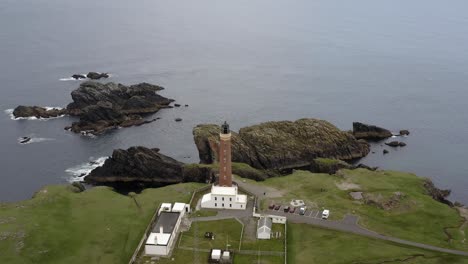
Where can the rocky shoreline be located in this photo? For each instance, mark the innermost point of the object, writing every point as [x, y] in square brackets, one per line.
[101, 107]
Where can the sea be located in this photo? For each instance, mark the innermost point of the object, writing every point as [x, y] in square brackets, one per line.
[397, 64]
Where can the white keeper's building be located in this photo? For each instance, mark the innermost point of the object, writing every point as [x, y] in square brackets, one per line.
[222, 197]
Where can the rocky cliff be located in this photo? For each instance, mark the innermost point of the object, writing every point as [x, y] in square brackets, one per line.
[282, 145]
[147, 167]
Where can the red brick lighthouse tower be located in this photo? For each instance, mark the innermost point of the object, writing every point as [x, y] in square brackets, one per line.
[225, 172]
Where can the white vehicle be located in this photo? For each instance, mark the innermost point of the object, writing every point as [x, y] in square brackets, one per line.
[325, 214]
[302, 210]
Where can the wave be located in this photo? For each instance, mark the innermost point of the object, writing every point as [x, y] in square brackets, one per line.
[34, 140]
[77, 173]
[9, 112]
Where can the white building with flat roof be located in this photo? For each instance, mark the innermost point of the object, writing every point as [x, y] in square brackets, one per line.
[264, 228]
[222, 197]
[162, 237]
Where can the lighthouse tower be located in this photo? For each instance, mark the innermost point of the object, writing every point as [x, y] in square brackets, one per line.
[224, 195]
[225, 171]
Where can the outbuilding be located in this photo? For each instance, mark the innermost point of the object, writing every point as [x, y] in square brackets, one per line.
[264, 228]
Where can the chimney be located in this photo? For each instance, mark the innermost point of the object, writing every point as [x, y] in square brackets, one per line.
[161, 229]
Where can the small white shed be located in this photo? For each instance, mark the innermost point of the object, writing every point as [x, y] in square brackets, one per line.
[264, 228]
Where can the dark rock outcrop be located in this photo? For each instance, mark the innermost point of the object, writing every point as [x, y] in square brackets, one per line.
[37, 112]
[392, 144]
[370, 132]
[404, 132]
[385, 151]
[395, 144]
[78, 76]
[137, 164]
[436, 193]
[101, 107]
[97, 75]
[147, 167]
[283, 145]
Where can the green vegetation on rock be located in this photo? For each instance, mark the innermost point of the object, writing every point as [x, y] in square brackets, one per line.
[200, 171]
[281, 145]
[330, 166]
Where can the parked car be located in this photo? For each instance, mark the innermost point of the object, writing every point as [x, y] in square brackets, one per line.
[277, 207]
[286, 209]
[292, 210]
[325, 214]
[271, 206]
[302, 210]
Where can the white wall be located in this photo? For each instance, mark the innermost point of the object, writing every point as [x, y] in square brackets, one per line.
[263, 235]
[229, 202]
[156, 250]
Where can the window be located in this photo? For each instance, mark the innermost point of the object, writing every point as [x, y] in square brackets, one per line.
[216, 198]
[223, 205]
[230, 205]
[223, 198]
[241, 205]
[230, 199]
[216, 204]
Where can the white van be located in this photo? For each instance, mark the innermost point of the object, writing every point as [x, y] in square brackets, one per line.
[325, 214]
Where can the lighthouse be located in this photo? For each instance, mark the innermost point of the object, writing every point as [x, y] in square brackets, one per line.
[225, 167]
[224, 194]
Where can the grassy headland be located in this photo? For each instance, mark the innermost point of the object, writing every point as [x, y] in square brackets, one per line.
[395, 204]
[95, 226]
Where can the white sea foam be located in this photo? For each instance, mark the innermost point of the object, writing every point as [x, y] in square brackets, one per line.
[34, 140]
[9, 112]
[77, 173]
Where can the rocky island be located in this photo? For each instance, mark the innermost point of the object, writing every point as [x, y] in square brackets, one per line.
[101, 107]
[283, 145]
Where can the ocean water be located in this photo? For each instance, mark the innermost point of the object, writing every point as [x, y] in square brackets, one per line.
[398, 64]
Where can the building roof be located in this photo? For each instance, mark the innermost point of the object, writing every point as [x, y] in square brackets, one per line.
[216, 254]
[241, 198]
[178, 207]
[166, 206]
[158, 239]
[166, 220]
[223, 190]
[265, 223]
[206, 198]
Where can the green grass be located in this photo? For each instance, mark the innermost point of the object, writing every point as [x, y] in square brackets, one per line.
[203, 213]
[417, 218]
[310, 245]
[273, 244]
[226, 231]
[197, 196]
[95, 226]
[182, 256]
[249, 259]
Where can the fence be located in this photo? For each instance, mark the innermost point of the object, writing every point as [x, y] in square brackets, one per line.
[143, 239]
